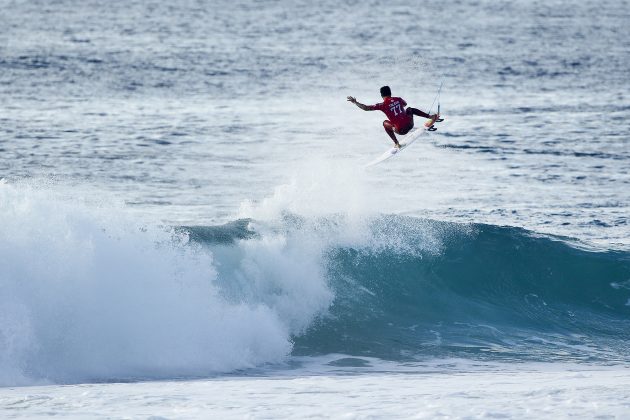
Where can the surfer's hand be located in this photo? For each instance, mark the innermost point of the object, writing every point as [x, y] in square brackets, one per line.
[352, 99]
[434, 116]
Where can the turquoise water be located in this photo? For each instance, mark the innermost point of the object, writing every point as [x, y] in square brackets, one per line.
[476, 291]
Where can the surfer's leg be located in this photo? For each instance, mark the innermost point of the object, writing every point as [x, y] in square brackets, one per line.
[415, 111]
[389, 128]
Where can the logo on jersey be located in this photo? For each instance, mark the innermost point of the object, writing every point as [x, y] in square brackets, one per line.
[396, 108]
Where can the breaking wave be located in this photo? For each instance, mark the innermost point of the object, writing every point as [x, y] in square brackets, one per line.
[89, 294]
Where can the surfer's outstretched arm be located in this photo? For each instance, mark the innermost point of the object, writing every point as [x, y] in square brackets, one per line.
[359, 104]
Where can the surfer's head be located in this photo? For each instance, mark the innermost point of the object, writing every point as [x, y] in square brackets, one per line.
[386, 91]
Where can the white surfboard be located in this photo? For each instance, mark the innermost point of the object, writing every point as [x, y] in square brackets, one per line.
[410, 137]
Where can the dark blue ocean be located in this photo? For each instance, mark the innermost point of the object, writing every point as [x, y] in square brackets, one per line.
[183, 188]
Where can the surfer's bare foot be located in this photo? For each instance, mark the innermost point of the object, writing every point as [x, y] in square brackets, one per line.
[397, 145]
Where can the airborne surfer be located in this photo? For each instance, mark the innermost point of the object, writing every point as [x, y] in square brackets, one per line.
[399, 120]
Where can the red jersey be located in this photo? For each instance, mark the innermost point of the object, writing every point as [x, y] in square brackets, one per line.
[394, 108]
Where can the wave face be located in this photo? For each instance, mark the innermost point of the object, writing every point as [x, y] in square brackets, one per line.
[490, 292]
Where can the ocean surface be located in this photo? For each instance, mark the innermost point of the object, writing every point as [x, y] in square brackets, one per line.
[187, 226]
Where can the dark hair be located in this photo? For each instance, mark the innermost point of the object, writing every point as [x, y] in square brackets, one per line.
[386, 91]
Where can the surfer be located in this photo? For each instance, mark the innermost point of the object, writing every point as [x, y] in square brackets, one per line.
[399, 120]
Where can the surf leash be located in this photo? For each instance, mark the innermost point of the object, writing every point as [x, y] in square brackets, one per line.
[437, 97]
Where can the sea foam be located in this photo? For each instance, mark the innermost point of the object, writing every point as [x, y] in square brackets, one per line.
[90, 293]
